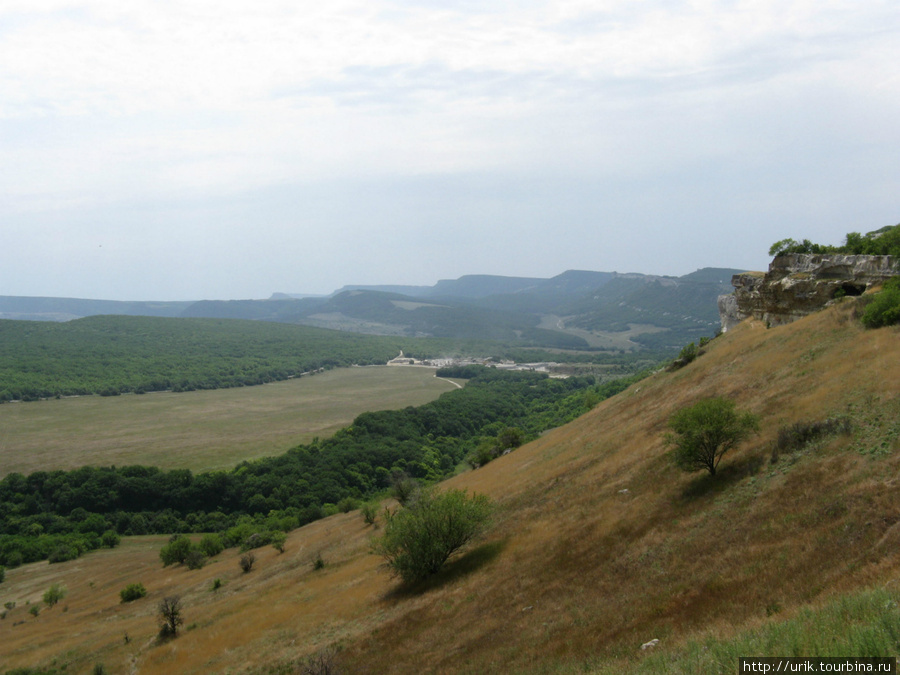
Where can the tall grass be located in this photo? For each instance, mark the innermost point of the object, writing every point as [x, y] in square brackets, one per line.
[865, 623]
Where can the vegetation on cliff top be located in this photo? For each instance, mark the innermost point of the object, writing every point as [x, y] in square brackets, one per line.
[885, 241]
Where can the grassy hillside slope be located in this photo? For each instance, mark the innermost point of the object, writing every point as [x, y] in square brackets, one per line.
[599, 544]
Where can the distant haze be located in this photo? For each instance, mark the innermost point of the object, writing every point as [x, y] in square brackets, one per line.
[215, 150]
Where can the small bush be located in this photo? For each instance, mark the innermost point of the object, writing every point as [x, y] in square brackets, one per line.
[211, 545]
[110, 539]
[54, 594]
[369, 512]
[195, 560]
[509, 439]
[688, 353]
[481, 455]
[63, 553]
[278, 540]
[884, 308]
[799, 435]
[132, 592]
[35, 610]
[347, 504]
[418, 540]
[2, 573]
[490, 449]
[246, 561]
[256, 540]
[176, 550]
[216, 584]
[235, 536]
[404, 488]
[319, 562]
[320, 663]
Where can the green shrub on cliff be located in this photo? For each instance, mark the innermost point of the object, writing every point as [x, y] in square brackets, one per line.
[884, 309]
[885, 241]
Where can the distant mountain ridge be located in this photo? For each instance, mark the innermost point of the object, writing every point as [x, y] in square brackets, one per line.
[65, 309]
[575, 310]
[482, 285]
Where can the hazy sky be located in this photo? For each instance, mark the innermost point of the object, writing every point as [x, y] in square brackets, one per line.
[175, 149]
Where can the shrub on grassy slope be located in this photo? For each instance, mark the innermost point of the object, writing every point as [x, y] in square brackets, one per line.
[418, 540]
[54, 594]
[132, 592]
[884, 309]
[176, 551]
[705, 431]
[211, 544]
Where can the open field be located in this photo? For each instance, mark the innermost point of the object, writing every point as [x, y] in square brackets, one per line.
[598, 546]
[202, 430]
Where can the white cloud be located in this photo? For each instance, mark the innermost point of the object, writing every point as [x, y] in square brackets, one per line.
[109, 107]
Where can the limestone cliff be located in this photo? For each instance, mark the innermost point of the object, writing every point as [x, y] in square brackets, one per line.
[801, 283]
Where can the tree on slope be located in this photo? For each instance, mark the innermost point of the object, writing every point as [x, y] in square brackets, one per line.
[170, 617]
[702, 433]
[419, 539]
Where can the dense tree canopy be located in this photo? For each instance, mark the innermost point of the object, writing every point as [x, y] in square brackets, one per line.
[111, 355]
[885, 241]
[69, 511]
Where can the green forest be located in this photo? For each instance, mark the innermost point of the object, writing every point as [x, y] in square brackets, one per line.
[58, 515]
[111, 355]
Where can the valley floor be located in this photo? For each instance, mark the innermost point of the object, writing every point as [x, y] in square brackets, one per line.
[202, 430]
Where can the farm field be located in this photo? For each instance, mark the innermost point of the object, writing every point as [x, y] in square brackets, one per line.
[202, 430]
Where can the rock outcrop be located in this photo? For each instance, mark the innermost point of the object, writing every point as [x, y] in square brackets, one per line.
[801, 283]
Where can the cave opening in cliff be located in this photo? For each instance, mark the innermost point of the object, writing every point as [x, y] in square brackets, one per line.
[851, 289]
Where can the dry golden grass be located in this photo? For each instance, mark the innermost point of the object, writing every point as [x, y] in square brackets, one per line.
[202, 430]
[599, 545]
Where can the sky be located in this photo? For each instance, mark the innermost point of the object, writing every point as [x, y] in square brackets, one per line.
[186, 150]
